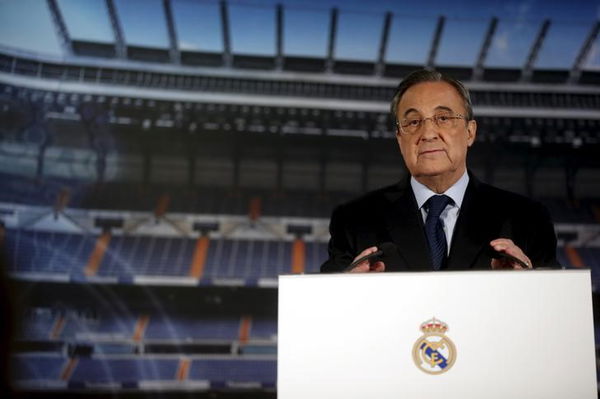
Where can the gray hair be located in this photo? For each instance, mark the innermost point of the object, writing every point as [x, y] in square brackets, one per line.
[423, 75]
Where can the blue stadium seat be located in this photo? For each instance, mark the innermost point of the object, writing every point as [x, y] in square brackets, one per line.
[147, 255]
[124, 370]
[248, 259]
[264, 329]
[562, 258]
[114, 326]
[186, 327]
[47, 252]
[32, 192]
[37, 325]
[37, 367]
[316, 254]
[563, 212]
[242, 370]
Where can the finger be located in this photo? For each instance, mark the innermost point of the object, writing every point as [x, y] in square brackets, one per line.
[501, 244]
[514, 251]
[508, 246]
[498, 264]
[527, 261]
[365, 252]
[510, 264]
[378, 266]
[505, 263]
[362, 267]
[501, 241]
[517, 253]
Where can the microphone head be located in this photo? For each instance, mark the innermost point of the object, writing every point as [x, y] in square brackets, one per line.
[387, 247]
[390, 252]
[387, 252]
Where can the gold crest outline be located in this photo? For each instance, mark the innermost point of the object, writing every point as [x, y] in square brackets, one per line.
[417, 353]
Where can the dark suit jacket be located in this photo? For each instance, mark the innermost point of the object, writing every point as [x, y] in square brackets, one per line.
[390, 214]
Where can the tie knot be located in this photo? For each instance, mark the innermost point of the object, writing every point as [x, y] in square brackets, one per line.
[436, 205]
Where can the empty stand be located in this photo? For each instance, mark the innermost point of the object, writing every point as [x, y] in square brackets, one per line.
[316, 253]
[591, 259]
[47, 252]
[565, 212]
[263, 329]
[127, 256]
[38, 324]
[248, 259]
[234, 371]
[152, 325]
[117, 196]
[131, 372]
[128, 370]
[147, 255]
[187, 328]
[181, 168]
[105, 327]
[37, 367]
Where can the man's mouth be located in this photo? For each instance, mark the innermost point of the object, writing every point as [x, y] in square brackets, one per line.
[426, 152]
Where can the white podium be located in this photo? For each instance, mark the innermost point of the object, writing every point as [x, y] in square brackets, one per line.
[477, 334]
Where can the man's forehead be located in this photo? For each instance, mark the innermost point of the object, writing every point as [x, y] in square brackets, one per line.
[426, 96]
[439, 108]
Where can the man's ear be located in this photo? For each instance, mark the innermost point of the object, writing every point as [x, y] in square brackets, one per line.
[397, 129]
[399, 140]
[471, 132]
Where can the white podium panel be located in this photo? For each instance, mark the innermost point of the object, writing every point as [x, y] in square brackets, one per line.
[488, 334]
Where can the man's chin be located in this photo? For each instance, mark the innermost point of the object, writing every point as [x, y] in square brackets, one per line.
[432, 172]
[438, 174]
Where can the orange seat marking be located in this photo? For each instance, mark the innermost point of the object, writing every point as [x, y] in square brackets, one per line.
[162, 205]
[244, 332]
[68, 369]
[183, 369]
[199, 259]
[254, 210]
[57, 328]
[140, 327]
[298, 256]
[93, 264]
[573, 256]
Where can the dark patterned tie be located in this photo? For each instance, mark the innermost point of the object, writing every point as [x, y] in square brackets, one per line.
[434, 229]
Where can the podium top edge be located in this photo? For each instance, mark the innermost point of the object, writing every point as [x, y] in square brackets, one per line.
[436, 273]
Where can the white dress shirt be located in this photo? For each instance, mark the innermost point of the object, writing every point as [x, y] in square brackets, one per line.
[450, 213]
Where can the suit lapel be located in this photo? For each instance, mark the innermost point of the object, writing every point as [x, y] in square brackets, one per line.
[405, 226]
[471, 233]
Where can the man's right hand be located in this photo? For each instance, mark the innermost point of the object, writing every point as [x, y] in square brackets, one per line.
[366, 266]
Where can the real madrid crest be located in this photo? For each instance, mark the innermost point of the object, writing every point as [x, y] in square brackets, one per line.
[434, 353]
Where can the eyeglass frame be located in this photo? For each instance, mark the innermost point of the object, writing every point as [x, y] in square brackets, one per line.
[433, 119]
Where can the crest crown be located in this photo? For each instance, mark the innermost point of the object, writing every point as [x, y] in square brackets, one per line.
[434, 325]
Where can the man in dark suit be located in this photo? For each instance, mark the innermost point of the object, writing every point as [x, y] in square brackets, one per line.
[442, 218]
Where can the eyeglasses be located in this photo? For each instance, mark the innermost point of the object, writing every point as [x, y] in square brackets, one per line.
[442, 121]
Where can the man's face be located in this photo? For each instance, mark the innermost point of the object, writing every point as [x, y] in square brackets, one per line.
[432, 151]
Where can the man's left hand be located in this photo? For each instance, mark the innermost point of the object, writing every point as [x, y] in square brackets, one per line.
[507, 246]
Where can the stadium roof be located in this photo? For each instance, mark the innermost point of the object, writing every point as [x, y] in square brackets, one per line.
[355, 38]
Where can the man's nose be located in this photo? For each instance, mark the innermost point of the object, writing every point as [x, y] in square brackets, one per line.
[429, 130]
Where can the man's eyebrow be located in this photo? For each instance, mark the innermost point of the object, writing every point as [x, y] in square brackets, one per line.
[443, 108]
[438, 108]
[408, 111]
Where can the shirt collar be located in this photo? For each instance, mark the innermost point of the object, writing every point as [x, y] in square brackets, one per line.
[456, 191]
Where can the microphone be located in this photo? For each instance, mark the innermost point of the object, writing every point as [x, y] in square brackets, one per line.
[384, 251]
